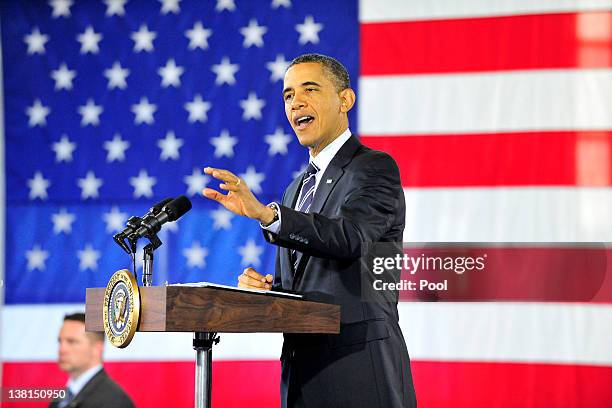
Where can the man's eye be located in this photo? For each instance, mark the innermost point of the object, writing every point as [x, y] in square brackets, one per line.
[310, 89]
[287, 97]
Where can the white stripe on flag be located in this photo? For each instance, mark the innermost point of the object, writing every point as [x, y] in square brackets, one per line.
[525, 332]
[443, 331]
[37, 340]
[371, 11]
[526, 214]
[485, 102]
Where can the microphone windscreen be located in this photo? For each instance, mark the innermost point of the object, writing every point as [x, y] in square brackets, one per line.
[177, 207]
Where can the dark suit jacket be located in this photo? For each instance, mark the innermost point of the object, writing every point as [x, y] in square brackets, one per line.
[100, 392]
[367, 364]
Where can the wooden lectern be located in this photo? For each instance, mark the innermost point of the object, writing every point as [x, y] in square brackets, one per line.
[206, 311]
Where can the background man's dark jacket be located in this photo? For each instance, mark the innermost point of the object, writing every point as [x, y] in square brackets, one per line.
[100, 392]
[367, 364]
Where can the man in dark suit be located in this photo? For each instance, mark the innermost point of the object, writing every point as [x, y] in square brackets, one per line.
[349, 196]
[80, 355]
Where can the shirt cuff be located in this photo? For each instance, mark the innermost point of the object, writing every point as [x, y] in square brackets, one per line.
[275, 226]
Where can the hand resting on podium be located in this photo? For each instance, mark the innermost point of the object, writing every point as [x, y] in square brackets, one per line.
[251, 279]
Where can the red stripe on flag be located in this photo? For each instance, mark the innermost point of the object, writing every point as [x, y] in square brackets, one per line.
[437, 383]
[525, 274]
[486, 44]
[164, 384]
[474, 384]
[501, 159]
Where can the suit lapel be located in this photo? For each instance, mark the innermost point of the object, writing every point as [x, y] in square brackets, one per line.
[326, 185]
[88, 389]
[333, 173]
[330, 178]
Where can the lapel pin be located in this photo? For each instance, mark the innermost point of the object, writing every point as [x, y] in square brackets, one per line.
[329, 181]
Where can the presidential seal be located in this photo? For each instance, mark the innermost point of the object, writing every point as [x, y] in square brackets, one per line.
[121, 308]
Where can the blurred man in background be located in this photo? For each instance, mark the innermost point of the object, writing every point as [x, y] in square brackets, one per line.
[80, 355]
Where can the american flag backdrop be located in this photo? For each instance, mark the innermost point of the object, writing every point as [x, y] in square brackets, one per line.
[499, 114]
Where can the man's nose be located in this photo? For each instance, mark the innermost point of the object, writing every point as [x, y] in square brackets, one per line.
[297, 103]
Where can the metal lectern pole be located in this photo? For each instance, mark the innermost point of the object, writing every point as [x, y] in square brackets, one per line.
[202, 344]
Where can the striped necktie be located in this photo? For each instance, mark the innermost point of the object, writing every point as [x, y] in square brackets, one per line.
[308, 188]
[305, 201]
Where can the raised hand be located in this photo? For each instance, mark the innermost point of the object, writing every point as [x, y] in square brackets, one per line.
[239, 198]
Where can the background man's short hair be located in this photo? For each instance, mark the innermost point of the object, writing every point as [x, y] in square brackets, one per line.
[80, 317]
[337, 72]
[77, 317]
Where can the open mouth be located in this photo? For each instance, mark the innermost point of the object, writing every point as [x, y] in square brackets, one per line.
[302, 122]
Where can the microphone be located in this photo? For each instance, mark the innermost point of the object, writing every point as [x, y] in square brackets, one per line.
[158, 207]
[151, 224]
[133, 223]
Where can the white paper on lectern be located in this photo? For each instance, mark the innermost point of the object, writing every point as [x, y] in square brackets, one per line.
[237, 289]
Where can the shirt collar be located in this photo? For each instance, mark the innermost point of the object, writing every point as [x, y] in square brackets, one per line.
[326, 155]
[76, 385]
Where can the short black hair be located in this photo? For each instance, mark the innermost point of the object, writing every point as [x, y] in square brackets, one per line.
[338, 73]
[80, 317]
[77, 317]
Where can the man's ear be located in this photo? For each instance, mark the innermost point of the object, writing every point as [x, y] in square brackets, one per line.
[347, 100]
[97, 345]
